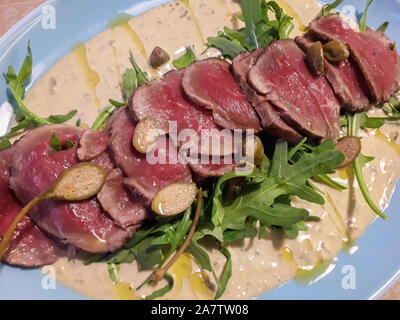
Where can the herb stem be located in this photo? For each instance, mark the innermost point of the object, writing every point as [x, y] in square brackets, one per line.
[101, 119]
[353, 127]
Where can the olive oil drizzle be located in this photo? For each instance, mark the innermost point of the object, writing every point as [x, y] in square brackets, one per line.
[394, 145]
[92, 77]
[194, 19]
[343, 227]
[122, 20]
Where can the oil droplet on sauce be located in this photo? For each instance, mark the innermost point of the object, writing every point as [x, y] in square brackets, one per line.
[287, 255]
[91, 76]
[198, 282]
[389, 141]
[308, 276]
[290, 12]
[124, 291]
[181, 269]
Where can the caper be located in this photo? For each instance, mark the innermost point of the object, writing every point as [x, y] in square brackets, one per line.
[174, 198]
[350, 147]
[158, 57]
[79, 182]
[146, 134]
[336, 51]
[315, 58]
[253, 150]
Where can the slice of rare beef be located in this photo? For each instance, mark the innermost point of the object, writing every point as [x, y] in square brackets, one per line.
[34, 168]
[270, 118]
[165, 101]
[306, 102]
[145, 173]
[210, 84]
[29, 246]
[92, 144]
[126, 209]
[345, 78]
[373, 51]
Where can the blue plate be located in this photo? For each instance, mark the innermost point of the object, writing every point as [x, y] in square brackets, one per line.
[376, 262]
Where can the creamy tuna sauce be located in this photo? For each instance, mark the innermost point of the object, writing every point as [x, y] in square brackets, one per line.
[87, 77]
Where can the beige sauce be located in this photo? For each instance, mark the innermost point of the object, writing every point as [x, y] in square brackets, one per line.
[87, 77]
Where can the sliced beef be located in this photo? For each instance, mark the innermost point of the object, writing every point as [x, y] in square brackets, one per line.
[211, 170]
[104, 161]
[164, 100]
[119, 203]
[305, 102]
[144, 175]
[29, 246]
[92, 144]
[270, 118]
[34, 168]
[210, 84]
[345, 78]
[372, 50]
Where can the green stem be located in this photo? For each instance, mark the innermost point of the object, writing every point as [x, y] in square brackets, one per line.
[352, 131]
[103, 116]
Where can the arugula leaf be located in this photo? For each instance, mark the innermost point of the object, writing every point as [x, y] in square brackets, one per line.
[186, 59]
[142, 77]
[226, 274]
[229, 48]
[383, 26]
[113, 270]
[129, 81]
[57, 119]
[132, 79]
[55, 143]
[4, 144]
[16, 84]
[363, 22]
[102, 118]
[117, 104]
[354, 124]
[324, 178]
[262, 201]
[259, 30]
[327, 9]
[251, 10]
[163, 291]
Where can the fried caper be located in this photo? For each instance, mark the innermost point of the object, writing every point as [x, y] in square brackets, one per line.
[315, 58]
[82, 181]
[174, 198]
[158, 57]
[336, 51]
[146, 134]
[350, 147]
[253, 150]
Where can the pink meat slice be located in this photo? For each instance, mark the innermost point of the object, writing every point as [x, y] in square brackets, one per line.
[345, 78]
[120, 204]
[373, 51]
[34, 168]
[305, 102]
[29, 246]
[270, 118]
[92, 144]
[165, 101]
[210, 84]
[144, 176]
